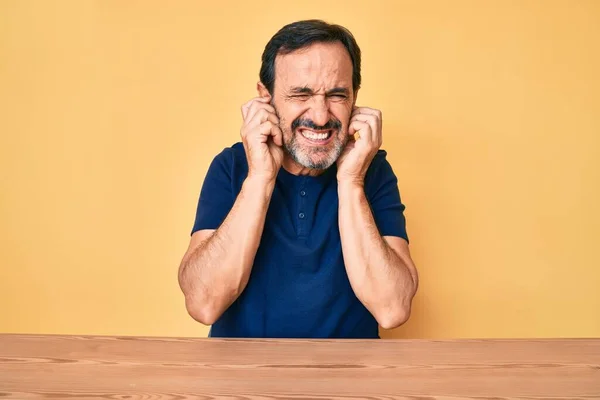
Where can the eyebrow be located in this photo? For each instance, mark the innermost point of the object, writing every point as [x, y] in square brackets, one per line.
[307, 90]
[339, 90]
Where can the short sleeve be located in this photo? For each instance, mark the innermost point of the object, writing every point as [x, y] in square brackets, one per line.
[216, 196]
[384, 197]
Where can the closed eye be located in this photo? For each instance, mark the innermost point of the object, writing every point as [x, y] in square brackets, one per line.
[337, 97]
[303, 96]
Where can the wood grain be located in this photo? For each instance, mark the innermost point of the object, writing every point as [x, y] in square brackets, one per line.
[82, 367]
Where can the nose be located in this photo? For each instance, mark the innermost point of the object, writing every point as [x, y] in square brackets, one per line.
[319, 110]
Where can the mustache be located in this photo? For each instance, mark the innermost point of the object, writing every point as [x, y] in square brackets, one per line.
[307, 123]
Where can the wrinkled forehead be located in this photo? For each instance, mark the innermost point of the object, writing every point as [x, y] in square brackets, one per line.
[321, 66]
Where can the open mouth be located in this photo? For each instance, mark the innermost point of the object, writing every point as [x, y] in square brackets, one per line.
[317, 137]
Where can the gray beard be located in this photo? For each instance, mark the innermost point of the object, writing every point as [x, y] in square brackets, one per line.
[327, 156]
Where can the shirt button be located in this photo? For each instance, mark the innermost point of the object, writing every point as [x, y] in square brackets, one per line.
[302, 193]
[301, 215]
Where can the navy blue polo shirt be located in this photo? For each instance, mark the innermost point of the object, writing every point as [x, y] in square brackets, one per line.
[298, 287]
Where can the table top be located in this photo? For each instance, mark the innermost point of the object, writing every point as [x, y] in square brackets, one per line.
[84, 367]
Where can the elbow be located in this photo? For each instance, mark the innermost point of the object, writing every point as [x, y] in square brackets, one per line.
[202, 311]
[394, 317]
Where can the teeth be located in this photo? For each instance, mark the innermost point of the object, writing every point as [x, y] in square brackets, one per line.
[314, 136]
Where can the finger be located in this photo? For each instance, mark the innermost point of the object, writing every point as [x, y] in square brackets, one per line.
[367, 110]
[277, 135]
[368, 118]
[372, 120]
[370, 112]
[258, 105]
[272, 146]
[351, 140]
[244, 109]
[263, 132]
[362, 128]
[261, 116]
[267, 129]
[246, 106]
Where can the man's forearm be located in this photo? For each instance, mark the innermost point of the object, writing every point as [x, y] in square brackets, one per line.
[214, 274]
[379, 277]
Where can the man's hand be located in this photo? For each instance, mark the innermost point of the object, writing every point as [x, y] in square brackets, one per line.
[262, 139]
[358, 154]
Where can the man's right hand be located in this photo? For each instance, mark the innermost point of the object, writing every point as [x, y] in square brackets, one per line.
[217, 265]
[262, 138]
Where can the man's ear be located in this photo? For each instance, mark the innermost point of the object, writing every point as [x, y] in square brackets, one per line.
[262, 90]
[355, 97]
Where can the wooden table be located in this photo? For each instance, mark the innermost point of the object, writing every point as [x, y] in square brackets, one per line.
[78, 367]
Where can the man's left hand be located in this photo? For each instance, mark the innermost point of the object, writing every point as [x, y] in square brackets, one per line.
[358, 154]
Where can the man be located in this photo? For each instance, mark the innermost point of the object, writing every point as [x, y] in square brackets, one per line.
[300, 230]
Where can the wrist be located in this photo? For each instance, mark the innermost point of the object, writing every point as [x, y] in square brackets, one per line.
[259, 183]
[350, 188]
[350, 183]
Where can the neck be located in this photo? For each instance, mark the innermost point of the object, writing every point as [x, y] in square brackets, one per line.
[294, 168]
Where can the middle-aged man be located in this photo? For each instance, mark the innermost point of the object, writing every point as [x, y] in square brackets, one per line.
[300, 230]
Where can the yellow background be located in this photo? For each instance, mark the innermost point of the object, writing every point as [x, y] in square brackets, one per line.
[110, 112]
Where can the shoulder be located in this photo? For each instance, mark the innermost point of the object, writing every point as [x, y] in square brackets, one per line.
[238, 153]
[380, 166]
[228, 169]
[231, 159]
[231, 153]
[380, 173]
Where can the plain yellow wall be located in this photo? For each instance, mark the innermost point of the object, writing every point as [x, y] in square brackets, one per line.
[110, 112]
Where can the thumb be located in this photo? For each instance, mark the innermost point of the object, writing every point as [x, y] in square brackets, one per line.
[275, 150]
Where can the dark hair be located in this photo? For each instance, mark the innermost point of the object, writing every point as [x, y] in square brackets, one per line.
[300, 34]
